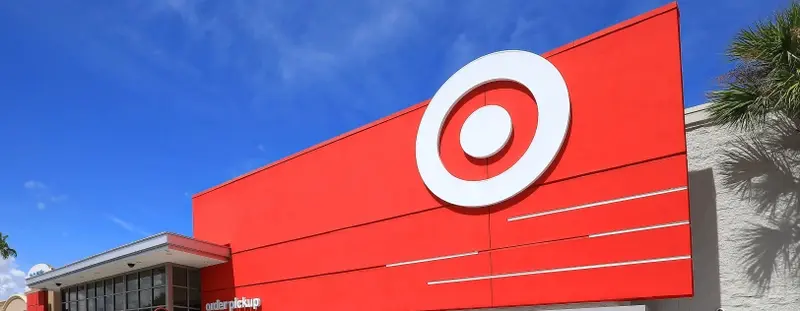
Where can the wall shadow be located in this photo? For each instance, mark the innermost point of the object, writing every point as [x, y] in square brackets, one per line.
[705, 248]
[762, 169]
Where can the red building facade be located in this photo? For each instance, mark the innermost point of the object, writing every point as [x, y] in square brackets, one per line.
[350, 224]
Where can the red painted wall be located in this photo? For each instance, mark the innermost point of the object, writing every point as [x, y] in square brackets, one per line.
[37, 301]
[317, 230]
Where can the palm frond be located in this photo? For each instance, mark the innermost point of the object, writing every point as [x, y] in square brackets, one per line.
[761, 175]
[766, 76]
[5, 250]
[768, 247]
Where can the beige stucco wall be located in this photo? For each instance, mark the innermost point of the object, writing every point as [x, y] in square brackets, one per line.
[53, 301]
[14, 303]
[733, 174]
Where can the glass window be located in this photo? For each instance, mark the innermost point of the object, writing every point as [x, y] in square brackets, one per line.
[159, 298]
[109, 303]
[158, 276]
[139, 291]
[194, 279]
[119, 302]
[81, 292]
[145, 279]
[145, 298]
[178, 309]
[133, 300]
[99, 288]
[119, 285]
[180, 298]
[178, 276]
[194, 298]
[132, 281]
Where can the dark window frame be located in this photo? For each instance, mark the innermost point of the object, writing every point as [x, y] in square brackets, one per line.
[190, 275]
[150, 275]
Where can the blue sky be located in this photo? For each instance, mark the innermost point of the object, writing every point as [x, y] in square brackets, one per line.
[115, 112]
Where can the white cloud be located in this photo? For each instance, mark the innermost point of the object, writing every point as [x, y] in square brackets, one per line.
[288, 44]
[34, 184]
[42, 193]
[12, 279]
[460, 52]
[127, 225]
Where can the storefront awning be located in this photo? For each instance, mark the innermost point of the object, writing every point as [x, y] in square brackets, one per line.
[154, 250]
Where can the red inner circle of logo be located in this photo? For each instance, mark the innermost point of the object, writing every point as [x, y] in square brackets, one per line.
[519, 103]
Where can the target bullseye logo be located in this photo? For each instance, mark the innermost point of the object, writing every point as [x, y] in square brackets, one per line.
[488, 129]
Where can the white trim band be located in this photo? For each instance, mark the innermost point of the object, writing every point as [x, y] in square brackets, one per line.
[430, 259]
[163, 241]
[536, 272]
[579, 207]
[674, 224]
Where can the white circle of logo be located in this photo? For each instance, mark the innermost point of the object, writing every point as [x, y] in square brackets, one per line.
[488, 129]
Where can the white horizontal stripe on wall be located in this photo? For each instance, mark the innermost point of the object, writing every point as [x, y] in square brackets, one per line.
[430, 259]
[537, 272]
[674, 224]
[584, 206]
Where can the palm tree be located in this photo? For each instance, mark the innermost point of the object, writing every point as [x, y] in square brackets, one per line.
[765, 80]
[761, 95]
[5, 250]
